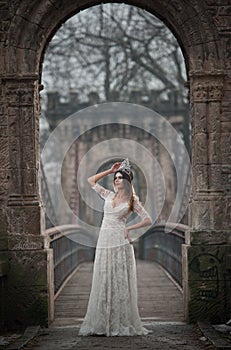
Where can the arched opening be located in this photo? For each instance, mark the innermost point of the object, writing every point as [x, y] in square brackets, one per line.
[163, 99]
[139, 80]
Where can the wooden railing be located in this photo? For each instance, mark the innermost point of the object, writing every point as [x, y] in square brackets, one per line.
[67, 252]
[162, 243]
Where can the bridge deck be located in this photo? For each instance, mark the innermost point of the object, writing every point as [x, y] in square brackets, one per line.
[159, 298]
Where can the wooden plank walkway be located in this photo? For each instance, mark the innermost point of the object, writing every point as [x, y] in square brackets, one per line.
[159, 299]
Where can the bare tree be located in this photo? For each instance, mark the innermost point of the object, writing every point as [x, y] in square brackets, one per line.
[115, 49]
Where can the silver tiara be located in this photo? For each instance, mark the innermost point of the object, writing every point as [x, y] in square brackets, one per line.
[125, 166]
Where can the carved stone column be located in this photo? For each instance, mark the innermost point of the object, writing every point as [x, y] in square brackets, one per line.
[206, 246]
[206, 158]
[23, 128]
[27, 287]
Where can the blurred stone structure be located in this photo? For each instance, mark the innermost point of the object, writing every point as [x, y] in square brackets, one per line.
[203, 30]
[177, 115]
[173, 109]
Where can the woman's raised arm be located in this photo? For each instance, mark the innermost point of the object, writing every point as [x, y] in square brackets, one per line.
[95, 178]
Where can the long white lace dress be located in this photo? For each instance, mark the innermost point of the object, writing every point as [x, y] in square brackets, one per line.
[112, 308]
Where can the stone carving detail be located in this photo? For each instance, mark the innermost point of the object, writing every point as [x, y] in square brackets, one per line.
[220, 15]
[20, 96]
[226, 179]
[226, 148]
[201, 177]
[200, 92]
[227, 52]
[210, 212]
[206, 268]
[200, 151]
[207, 96]
[215, 91]
[20, 100]
[199, 112]
[207, 90]
[177, 5]
[4, 178]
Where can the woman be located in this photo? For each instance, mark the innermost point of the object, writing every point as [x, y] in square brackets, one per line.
[112, 308]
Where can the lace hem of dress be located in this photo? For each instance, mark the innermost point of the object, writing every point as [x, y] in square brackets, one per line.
[127, 331]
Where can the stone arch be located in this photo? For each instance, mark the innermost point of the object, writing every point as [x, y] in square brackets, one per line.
[38, 21]
[203, 32]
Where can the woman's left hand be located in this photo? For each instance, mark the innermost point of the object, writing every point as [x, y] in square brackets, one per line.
[126, 235]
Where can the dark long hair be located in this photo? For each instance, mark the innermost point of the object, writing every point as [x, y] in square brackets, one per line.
[128, 187]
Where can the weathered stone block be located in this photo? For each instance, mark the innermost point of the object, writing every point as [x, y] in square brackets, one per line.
[14, 147]
[5, 11]
[213, 119]
[5, 183]
[3, 230]
[29, 40]
[226, 148]
[25, 242]
[29, 182]
[19, 93]
[201, 177]
[28, 117]
[15, 185]
[28, 156]
[226, 127]
[27, 289]
[4, 153]
[206, 237]
[199, 92]
[28, 59]
[215, 92]
[214, 171]
[214, 148]
[199, 117]
[210, 213]
[3, 243]
[13, 98]
[200, 214]
[4, 265]
[228, 261]
[3, 131]
[207, 282]
[24, 220]
[200, 150]
[226, 178]
[14, 125]
[2, 62]
[193, 34]
[3, 227]
[221, 213]
[13, 112]
[225, 115]
[26, 306]
[3, 119]
[27, 268]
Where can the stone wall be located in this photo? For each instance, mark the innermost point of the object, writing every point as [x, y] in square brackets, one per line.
[203, 30]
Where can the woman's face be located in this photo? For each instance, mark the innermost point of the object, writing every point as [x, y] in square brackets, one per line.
[118, 181]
